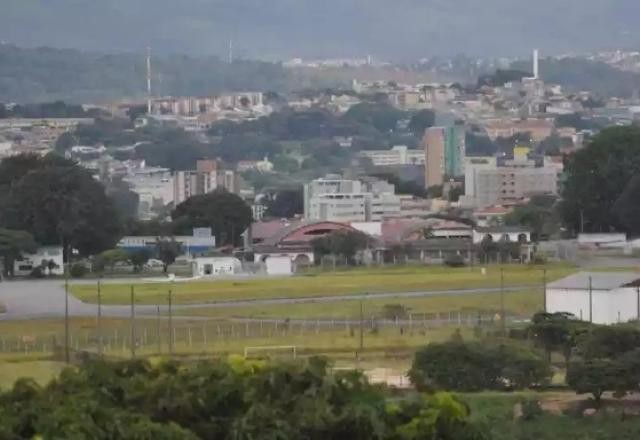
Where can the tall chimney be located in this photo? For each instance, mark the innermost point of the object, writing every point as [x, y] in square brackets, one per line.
[536, 65]
[148, 80]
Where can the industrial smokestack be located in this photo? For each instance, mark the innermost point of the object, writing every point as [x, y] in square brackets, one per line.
[536, 64]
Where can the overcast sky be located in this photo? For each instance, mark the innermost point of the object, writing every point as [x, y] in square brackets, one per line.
[386, 29]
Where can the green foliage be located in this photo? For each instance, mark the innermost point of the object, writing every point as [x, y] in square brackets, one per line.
[627, 206]
[343, 243]
[540, 215]
[476, 366]
[167, 251]
[78, 270]
[225, 213]
[531, 409]
[597, 177]
[380, 115]
[57, 109]
[12, 245]
[576, 74]
[480, 145]
[235, 400]
[91, 77]
[608, 341]
[139, 258]
[501, 77]
[556, 332]
[285, 203]
[599, 375]
[112, 257]
[58, 202]
[420, 121]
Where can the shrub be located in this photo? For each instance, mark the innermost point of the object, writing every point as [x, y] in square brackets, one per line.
[476, 366]
[78, 270]
[454, 261]
[531, 409]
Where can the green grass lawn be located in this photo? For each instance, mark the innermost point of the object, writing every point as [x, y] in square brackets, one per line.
[519, 303]
[385, 279]
[495, 411]
[40, 371]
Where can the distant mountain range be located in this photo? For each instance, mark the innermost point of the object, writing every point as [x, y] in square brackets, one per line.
[280, 29]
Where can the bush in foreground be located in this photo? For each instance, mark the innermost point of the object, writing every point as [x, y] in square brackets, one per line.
[235, 400]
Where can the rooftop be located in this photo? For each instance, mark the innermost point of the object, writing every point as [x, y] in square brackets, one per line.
[599, 281]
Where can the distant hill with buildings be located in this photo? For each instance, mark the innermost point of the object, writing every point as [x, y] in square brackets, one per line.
[330, 28]
[47, 74]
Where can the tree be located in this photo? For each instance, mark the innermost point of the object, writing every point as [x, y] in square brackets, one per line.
[139, 258]
[285, 204]
[421, 121]
[597, 176]
[59, 202]
[236, 399]
[609, 342]
[343, 243]
[12, 245]
[599, 375]
[476, 366]
[112, 257]
[627, 207]
[381, 115]
[539, 214]
[225, 213]
[167, 252]
[64, 142]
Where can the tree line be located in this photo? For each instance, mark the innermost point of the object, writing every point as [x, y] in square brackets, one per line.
[235, 400]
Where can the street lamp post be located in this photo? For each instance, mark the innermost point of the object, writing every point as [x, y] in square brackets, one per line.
[502, 311]
[99, 323]
[171, 319]
[133, 324]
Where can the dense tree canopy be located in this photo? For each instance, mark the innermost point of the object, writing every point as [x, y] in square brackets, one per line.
[12, 245]
[238, 400]
[597, 177]
[475, 366]
[285, 204]
[225, 213]
[58, 202]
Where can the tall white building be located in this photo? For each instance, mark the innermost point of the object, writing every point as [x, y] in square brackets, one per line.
[342, 200]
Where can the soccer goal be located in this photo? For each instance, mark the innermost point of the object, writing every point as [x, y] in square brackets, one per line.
[271, 351]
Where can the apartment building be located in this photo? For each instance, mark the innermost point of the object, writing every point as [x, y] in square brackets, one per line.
[445, 150]
[207, 177]
[336, 199]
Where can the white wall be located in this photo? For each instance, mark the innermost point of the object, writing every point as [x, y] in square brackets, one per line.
[609, 306]
[279, 265]
[28, 262]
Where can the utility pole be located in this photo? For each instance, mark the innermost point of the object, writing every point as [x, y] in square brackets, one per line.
[159, 330]
[503, 319]
[638, 303]
[99, 323]
[361, 326]
[590, 299]
[133, 324]
[67, 354]
[544, 288]
[170, 319]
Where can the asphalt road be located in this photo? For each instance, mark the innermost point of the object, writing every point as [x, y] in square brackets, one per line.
[33, 299]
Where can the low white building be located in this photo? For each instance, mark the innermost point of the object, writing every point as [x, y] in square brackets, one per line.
[215, 266]
[598, 297]
[279, 265]
[49, 258]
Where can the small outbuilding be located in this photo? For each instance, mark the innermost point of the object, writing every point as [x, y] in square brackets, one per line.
[598, 297]
[215, 266]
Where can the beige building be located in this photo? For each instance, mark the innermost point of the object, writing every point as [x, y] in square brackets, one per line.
[207, 177]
